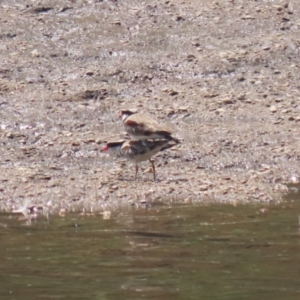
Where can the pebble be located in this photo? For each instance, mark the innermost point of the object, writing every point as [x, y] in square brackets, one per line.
[90, 140]
[294, 179]
[35, 53]
[106, 215]
[62, 212]
[203, 187]
[75, 143]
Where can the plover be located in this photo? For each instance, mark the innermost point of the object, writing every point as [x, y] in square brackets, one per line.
[138, 150]
[142, 127]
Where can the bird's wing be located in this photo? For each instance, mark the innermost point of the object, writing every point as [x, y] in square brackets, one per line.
[159, 145]
[132, 148]
[147, 123]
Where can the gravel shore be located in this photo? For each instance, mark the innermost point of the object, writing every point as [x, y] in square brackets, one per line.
[223, 74]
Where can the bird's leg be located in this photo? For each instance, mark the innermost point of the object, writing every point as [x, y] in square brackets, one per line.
[136, 171]
[153, 168]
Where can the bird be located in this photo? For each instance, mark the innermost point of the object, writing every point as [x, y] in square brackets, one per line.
[141, 126]
[138, 150]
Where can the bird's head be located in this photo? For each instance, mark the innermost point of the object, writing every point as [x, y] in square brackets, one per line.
[125, 113]
[112, 147]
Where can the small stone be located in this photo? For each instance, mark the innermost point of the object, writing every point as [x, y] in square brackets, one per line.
[179, 18]
[106, 215]
[116, 22]
[294, 179]
[187, 200]
[148, 170]
[35, 53]
[149, 192]
[10, 135]
[114, 187]
[90, 140]
[75, 143]
[247, 17]
[183, 108]
[99, 141]
[191, 57]
[273, 109]
[89, 73]
[220, 110]
[297, 119]
[227, 101]
[173, 93]
[203, 187]
[45, 177]
[67, 133]
[62, 212]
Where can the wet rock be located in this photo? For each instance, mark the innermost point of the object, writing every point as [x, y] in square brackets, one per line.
[62, 212]
[106, 215]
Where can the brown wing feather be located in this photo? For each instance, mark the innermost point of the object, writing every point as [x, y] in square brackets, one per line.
[138, 150]
[149, 125]
[138, 147]
[161, 145]
[131, 123]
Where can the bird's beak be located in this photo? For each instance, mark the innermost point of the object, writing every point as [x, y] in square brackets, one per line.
[105, 148]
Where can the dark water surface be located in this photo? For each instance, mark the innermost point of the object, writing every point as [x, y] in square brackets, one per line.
[187, 252]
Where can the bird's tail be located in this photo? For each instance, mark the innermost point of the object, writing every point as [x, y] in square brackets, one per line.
[168, 145]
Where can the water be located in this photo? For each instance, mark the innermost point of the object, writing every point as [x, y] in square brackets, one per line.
[187, 252]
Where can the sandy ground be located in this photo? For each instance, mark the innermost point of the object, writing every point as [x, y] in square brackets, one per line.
[224, 74]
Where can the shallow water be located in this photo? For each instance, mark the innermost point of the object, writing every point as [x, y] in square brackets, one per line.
[187, 252]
